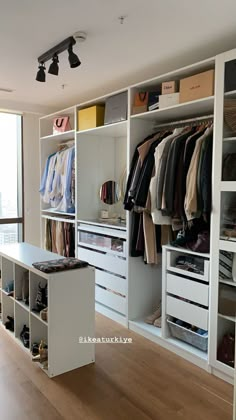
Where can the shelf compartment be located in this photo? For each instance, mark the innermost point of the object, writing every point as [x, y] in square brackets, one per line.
[35, 281]
[38, 330]
[231, 94]
[171, 261]
[37, 316]
[21, 319]
[21, 283]
[22, 304]
[188, 289]
[7, 271]
[7, 307]
[118, 129]
[149, 331]
[187, 312]
[195, 108]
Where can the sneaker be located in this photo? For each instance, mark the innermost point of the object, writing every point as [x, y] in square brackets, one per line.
[10, 323]
[25, 336]
[151, 318]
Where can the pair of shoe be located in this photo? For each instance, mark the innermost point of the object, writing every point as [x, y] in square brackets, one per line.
[155, 317]
[44, 314]
[10, 323]
[25, 336]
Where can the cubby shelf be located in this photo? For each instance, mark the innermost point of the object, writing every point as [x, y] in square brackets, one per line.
[74, 309]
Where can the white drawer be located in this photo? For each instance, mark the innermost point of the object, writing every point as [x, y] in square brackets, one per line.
[188, 289]
[171, 260]
[104, 243]
[106, 262]
[187, 312]
[111, 300]
[110, 281]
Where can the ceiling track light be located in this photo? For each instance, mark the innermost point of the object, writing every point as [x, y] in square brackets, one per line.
[53, 53]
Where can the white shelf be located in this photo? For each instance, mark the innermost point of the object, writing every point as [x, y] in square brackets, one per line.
[35, 315]
[196, 108]
[61, 213]
[103, 224]
[118, 129]
[58, 219]
[229, 138]
[229, 186]
[150, 330]
[231, 94]
[67, 135]
[6, 294]
[228, 282]
[187, 347]
[230, 318]
[186, 251]
[227, 245]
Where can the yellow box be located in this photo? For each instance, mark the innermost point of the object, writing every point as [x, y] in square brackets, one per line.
[91, 117]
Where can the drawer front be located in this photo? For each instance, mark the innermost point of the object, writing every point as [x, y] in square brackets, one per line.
[187, 312]
[171, 261]
[112, 245]
[111, 300]
[110, 281]
[106, 262]
[188, 289]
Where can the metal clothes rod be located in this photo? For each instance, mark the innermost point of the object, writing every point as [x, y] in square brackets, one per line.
[185, 122]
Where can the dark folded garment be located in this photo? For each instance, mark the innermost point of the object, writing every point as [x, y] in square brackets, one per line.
[59, 265]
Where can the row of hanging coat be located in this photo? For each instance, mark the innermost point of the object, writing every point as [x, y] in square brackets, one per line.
[57, 186]
[169, 185]
[60, 237]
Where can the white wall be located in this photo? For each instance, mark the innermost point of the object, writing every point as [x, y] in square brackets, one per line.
[31, 178]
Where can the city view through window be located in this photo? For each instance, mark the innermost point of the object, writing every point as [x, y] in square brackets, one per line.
[10, 179]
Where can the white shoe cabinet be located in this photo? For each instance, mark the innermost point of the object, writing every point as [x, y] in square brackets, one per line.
[71, 309]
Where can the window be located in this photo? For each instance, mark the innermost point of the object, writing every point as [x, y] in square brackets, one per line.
[11, 177]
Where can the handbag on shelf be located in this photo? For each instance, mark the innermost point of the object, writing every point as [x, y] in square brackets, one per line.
[141, 99]
[61, 124]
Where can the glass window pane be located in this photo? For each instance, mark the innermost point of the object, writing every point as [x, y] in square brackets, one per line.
[10, 233]
[10, 165]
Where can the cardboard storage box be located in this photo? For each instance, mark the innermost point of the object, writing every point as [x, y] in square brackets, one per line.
[168, 100]
[116, 108]
[169, 87]
[196, 87]
[91, 117]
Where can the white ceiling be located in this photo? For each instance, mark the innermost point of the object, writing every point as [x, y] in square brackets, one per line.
[156, 36]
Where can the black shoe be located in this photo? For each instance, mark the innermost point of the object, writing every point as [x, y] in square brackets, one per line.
[10, 323]
[24, 336]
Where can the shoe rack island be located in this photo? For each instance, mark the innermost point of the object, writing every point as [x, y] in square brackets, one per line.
[71, 307]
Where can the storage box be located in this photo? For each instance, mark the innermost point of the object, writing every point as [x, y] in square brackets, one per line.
[141, 98]
[153, 100]
[196, 87]
[91, 117]
[116, 108]
[139, 109]
[169, 87]
[190, 337]
[168, 100]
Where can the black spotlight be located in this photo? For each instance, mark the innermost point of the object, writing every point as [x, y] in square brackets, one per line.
[41, 77]
[73, 58]
[54, 68]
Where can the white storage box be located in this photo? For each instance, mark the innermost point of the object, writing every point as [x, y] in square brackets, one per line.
[190, 337]
[168, 100]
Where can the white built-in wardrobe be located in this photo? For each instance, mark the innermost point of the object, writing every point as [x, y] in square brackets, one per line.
[127, 290]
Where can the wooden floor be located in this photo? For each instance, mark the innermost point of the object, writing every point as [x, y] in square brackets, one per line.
[137, 381]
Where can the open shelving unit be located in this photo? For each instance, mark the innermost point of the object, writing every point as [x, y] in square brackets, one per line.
[70, 314]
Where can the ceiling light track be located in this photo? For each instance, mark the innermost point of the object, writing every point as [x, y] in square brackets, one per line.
[53, 53]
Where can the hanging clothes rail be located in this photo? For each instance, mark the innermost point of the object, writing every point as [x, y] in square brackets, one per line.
[189, 121]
